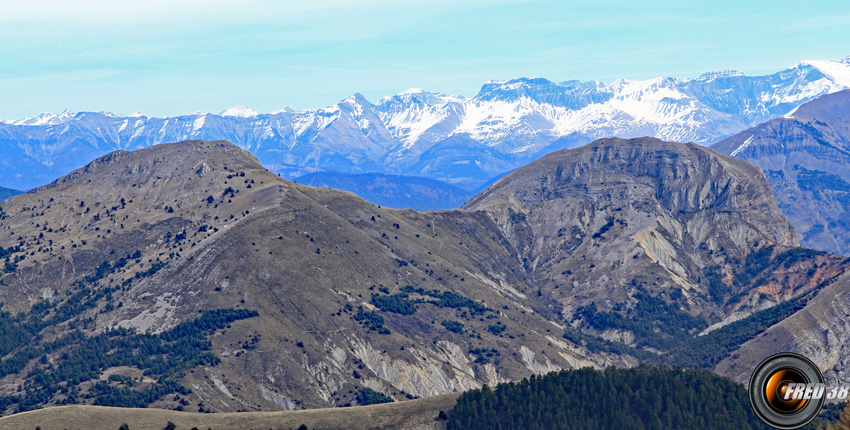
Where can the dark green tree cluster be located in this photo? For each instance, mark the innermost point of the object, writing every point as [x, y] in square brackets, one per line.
[448, 299]
[7, 252]
[162, 356]
[795, 255]
[453, 326]
[755, 263]
[484, 355]
[10, 265]
[396, 303]
[706, 351]
[604, 229]
[368, 396]
[19, 334]
[107, 268]
[818, 181]
[371, 320]
[654, 322]
[496, 329]
[644, 397]
[109, 395]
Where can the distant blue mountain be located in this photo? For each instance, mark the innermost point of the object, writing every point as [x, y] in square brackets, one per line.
[805, 157]
[463, 141]
[5, 193]
[392, 190]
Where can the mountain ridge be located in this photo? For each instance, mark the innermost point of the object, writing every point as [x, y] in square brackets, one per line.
[515, 120]
[392, 191]
[805, 156]
[272, 295]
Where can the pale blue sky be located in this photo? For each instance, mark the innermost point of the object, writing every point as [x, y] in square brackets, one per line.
[165, 58]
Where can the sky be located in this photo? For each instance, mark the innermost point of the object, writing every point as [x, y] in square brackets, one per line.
[164, 58]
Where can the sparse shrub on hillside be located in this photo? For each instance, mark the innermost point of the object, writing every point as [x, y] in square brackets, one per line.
[371, 320]
[604, 229]
[163, 356]
[496, 329]
[448, 299]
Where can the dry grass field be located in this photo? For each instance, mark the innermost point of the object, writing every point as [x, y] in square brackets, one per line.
[411, 414]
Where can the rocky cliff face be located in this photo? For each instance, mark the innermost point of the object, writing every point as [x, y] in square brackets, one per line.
[619, 220]
[805, 156]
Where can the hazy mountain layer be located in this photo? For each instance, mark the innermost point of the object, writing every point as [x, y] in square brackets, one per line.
[806, 159]
[392, 190]
[462, 141]
[5, 193]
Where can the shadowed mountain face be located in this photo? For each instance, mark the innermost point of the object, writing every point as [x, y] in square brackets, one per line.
[392, 190]
[806, 158]
[5, 193]
[643, 241]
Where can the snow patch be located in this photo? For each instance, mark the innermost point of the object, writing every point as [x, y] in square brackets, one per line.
[837, 71]
[743, 146]
[199, 123]
[240, 112]
[46, 118]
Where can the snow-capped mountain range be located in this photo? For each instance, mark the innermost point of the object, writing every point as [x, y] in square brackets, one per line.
[464, 141]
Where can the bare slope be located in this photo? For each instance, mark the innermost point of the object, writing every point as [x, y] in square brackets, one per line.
[644, 242]
[215, 230]
[419, 414]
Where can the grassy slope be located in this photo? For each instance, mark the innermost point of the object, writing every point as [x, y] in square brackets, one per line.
[418, 414]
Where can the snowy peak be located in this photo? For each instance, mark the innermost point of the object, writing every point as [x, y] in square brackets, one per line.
[719, 74]
[517, 88]
[240, 112]
[417, 96]
[837, 71]
[286, 109]
[413, 91]
[356, 99]
[45, 119]
[452, 138]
